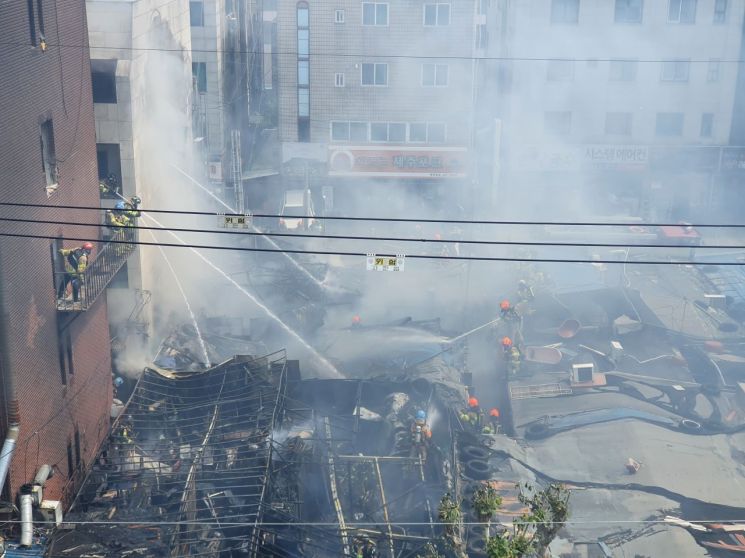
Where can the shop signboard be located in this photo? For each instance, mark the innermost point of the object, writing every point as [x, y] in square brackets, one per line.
[398, 161]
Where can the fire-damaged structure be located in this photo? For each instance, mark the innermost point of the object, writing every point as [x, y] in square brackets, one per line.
[187, 468]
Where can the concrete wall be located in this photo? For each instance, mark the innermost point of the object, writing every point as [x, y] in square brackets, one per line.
[399, 44]
[55, 84]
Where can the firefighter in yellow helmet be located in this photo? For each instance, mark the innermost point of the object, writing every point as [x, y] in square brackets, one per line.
[76, 262]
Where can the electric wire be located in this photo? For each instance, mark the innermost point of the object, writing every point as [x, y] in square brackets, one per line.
[397, 219]
[368, 254]
[386, 238]
[381, 55]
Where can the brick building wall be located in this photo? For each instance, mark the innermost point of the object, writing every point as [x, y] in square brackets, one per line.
[63, 412]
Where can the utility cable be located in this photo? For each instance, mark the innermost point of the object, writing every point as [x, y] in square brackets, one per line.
[365, 254]
[380, 55]
[384, 238]
[397, 219]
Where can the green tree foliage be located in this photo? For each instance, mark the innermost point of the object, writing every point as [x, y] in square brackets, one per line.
[486, 502]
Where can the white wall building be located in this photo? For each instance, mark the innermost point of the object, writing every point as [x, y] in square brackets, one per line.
[608, 91]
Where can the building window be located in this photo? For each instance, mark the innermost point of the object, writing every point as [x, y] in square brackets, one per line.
[418, 133]
[682, 11]
[199, 75]
[558, 123]
[618, 123]
[338, 80]
[392, 132]
[339, 16]
[340, 131]
[435, 132]
[70, 464]
[560, 70]
[103, 81]
[720, 11]
[712, 71]
[375, 74]
[482, 37]
[564, 11]
[436, 15]
[669, 124]
[31, 21]
[108, 156]
[196, 14]
[77, 447]
[40, 9]
[303, 72]
[675, 70]
[629, 11]
[48, 155]
[622, 70]
[707, 124]
[434, 75]
[374, 13]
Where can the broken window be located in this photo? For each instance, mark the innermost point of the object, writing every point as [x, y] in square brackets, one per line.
[103, 81]
[48, 156]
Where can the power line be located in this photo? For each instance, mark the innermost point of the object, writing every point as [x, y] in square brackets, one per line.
[397, 219]
[378, 55]
[365, 254]
[384, 238]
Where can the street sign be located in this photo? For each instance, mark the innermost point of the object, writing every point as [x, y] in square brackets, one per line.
[234, 221]
[385, 263]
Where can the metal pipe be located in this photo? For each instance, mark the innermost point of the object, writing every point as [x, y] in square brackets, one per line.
[45, 472]
[12, 412]
[6, 453]
[27, 522]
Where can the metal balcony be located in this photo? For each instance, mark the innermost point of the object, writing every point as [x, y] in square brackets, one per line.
[97, 276]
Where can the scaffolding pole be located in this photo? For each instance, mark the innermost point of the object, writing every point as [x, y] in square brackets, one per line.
[334, 491]
[385, 507]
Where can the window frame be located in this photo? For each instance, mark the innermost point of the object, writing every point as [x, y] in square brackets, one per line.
[197, 77]
[713, 70]
[708, 118]
[679, 20]
[105, 69]
[375, 11]
[339, 82]
[436, 6]
[624, 64]
[48, 154]
[628, 123]
[628, 21]
[375, 74]
[678, 63]
[192, 3]
[337, 18]
[554, 11]
[436, 70]
[408, 132]
[720, 16]
[660, 115]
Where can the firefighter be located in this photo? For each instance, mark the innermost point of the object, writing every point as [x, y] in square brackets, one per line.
[507, 312]
[524, 291]
[132, 209]
[117, 217]
[514, 362]
[506, 346]
[474, 413]
[76, 262]
[494, 419]
[420, 435]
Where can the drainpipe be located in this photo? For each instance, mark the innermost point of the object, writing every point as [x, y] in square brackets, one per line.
[12, 413]
[45, 472]
[27, 522]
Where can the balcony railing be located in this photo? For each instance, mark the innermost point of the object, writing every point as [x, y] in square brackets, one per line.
[99, 273]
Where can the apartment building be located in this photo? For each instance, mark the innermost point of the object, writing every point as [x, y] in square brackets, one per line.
[625, 104]
[55, 365]
[208, 22]
[377, 90]
[145, 94]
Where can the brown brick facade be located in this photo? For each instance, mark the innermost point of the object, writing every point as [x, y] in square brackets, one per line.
[36, 86]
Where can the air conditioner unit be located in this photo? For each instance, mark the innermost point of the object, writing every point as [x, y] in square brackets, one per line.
[214, 170]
